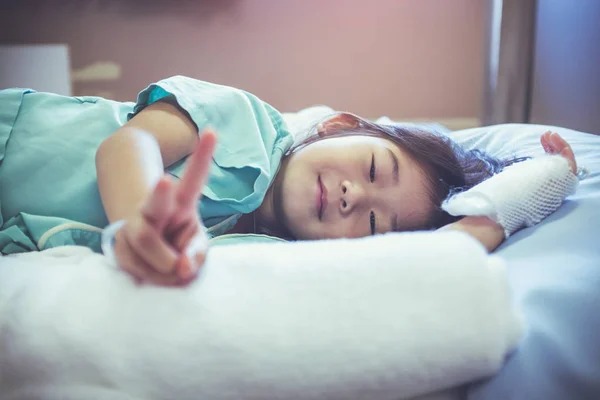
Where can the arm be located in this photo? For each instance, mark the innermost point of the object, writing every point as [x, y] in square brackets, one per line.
[131, 161]
[489, 233]
[162, 240]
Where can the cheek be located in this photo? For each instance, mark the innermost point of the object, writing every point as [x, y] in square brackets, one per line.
[303, 229]
[419, 208]
[295, 198]
[319, 156]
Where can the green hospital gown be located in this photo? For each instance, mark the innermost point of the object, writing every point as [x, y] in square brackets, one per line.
[48, 188]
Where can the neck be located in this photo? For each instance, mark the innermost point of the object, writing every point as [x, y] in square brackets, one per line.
[265, 214]
[269, 214]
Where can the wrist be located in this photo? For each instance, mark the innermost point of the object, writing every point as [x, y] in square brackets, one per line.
[108, 240]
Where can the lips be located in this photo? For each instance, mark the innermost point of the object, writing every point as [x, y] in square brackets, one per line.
[321, 197]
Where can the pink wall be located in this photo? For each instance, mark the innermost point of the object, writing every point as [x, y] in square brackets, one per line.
[402, 58]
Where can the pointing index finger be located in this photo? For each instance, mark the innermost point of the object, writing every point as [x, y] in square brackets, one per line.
[197, 170]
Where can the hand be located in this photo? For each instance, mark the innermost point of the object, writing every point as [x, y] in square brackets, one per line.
[165, 242]
[553, 143]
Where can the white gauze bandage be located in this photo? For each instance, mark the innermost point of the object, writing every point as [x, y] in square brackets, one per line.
[522, 195]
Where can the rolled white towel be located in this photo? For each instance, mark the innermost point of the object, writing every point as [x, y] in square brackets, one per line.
[386, 317]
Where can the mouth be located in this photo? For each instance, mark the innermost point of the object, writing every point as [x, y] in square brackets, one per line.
[321, 197]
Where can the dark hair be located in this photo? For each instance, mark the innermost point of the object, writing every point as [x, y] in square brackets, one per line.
[449, 167]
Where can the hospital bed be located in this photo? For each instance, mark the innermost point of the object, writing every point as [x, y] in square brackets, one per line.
[61, 335]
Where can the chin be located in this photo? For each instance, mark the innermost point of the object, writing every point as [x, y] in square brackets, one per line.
[298, 230]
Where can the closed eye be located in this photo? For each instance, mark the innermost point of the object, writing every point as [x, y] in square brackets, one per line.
[373, 170]
[372, 223]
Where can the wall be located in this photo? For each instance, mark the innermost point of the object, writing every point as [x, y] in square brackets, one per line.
[402, 58]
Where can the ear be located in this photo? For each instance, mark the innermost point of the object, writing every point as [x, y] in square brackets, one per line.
[338, 122]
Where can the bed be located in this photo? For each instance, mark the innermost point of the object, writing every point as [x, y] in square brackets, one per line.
[553, 271]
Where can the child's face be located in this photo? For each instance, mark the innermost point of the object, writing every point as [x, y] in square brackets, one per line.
[347, 187]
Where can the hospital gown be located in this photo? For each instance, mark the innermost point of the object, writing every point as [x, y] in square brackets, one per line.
[48, 187]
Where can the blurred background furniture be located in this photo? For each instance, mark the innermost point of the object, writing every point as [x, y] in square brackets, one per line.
[462, 63]
[45, 67]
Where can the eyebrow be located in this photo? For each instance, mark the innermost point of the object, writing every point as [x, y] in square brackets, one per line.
[395, 164]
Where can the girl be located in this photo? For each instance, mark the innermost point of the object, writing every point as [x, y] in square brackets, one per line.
[69, 166]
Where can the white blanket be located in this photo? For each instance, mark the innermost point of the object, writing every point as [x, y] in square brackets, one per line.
[388, 317]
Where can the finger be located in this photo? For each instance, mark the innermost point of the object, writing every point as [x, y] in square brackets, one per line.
[188, 270]
[159, 205]
[567, 152]
[133, 264]
[546, 135]
[150, 246]
[192, 260]
[196, 172]
[555, 142]
[188, 273]
[181, 236]
[185, 270]
[545, 139]
[546, 144]
[558, 143]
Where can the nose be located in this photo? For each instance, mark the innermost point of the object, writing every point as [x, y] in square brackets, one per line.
[353, 196]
